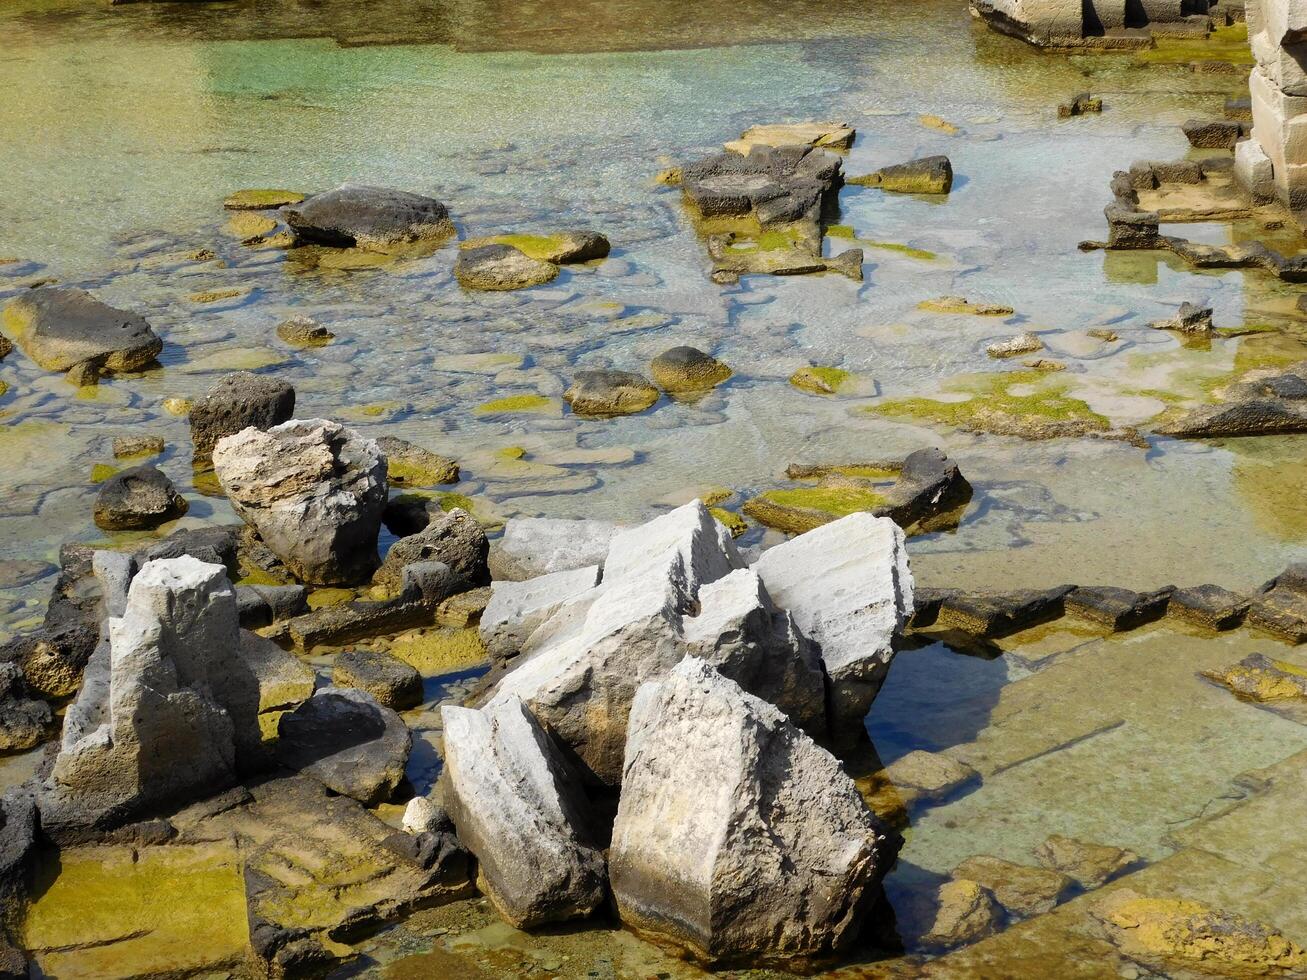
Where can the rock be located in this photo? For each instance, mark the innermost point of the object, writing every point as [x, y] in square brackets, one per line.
[423, 587]
[1128, 228]
[1280, 610]
[1190, 319]
[848, 587]
[533, 546]
[1209, 606]
[167, 710]
[930, 487]
[1175, 936]
[957, 913]
[1021, 890]
[454, 538]
[348, 742]
[374, 219]
[303, 331]
[263, 605]
[588, 659]
[737, 837]
[1213, 134]
[559, 248]
[424, 815]
[393, 683]
[138, 498]
[51, 660]
[1258, 677]
[1080, 105]
[834, 135]
[820, 380]
[24, 720]
[1043, 364]
[501, 267]
[518, 808]
[517, 608]
[18, 572]
[127, 447]
[998, 614]
[605, 393]
[408, 465]
[313, 490]
[260, 200]
[214, 545]
[64, 328]
[239, 401]
[1090, 865]
[960, 304]
[1023, 343]
[1117, 609]
[929, 776]
[284, 681]
[687, 369]
[927, 175]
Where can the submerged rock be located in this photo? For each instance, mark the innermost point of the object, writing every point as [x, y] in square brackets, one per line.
[957, 913]
[1116, 608]
[687, 369]
[927, 175]
[238, 401]
[1090, 865]
[138, 498]
[1260, 678]
[998, 614]
[348, 742]
[560, 248]
[129, 447]
[313, 490]
[518, 808]
[1080, 105]
[1023, 343]
[375, 219]
[1209, 606]
[67, 329]
[304, 331]
[604, 393]
[259, 199]
[1022, 890]
[833, 135]
[501, 267]
[960, 304]
[737, 838]
[1190, 319]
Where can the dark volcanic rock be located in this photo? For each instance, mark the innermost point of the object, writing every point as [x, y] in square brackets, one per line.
[997, 614]
[137, 498]
[64, 328]
[377, 219]
[236, 402]
[1117, 609]
[215, 545]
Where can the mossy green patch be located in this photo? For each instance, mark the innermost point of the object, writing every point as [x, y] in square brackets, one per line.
[101, 472]
[730, 520]
[1229, 44]
[841, 231]
[439, 651]
[258, 576]
[540, 247]
[324, 598]
[803, 508]
[260, 199]
[820, 380]
[511, 452]
[519, 405]
[908, 250]
[1045, 411]
[771, 240]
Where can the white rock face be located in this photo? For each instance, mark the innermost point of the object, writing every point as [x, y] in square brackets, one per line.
[533, 546]
[737, 837]
[517, 608]
[167, 704]
[314, 490]
[1277, 34]
[517, 808]
[848, 586]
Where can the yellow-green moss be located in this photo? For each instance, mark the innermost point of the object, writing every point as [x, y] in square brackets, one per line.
[770, 240]
[820, 380]
[101, 472]
[730, 520]
[324, 598]
[1044, 413]
[935, 122]
[543, 248]
[510, 452]
[1228, 44]
[260, 199]
[216, 295]
[908, 250]
[803, 508]
[439, 651]
[518, 405]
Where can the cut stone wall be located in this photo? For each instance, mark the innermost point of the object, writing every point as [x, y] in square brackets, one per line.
[1277, 34]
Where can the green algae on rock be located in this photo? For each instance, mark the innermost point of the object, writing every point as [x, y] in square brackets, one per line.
[821, 380]
[687, 369]
[927, 175]
[520, 405]
[559, 248]
[433, 652]
[413, 466]
[962, 305]
[804, 508]
[1044, 411]
[730, 520]
[259, 199]
[498, 267]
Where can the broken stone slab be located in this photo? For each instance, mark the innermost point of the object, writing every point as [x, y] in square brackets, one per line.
[393, 683]
[1281, 611]
[167, 710]
[1023, 343]
[517, 608]
[1090, 865]
[348, 742]
[66, 329]
[375, 219]
[1190, 319]
[1021, 890]
[1209, 606]
[927, 175]
[738, 839]
[263, 605]
[999, 614]
[834, 135]
[283, 680]
[1263, 679]
[313, 490]
[1214, 134]
[533, 546]
[500, 267]
[518, 808]
[136, 499]
[239, 401]
[849, 589]
[929, 776]
[425, 586]
[1128, 228]
[454, 538]
[1115, 608]
[213, 545]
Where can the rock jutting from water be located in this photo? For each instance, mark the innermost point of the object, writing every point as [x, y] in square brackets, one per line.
[375, 219]
[138, 498]
[608, 393]
[927, 175]
[237, 401]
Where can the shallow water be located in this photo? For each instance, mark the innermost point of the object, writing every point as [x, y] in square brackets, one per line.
[130, 124]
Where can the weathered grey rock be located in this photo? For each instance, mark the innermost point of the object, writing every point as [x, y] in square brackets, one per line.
[127, 447]
[517, 608]
[376, 219]
[929, 776]
[426, 815]
[283, 680]
[455, 539]
[214, 545]
[687, 369]
[1090, 865]
[423, 587]
[263, 605]
[1128, 228]
[929, 493]
[412, 466]
[24, 720]
[737, 837]
[64, 328]
[348, 742]
[927, 175]
[1250, 417]
[604, 393]
[534, 546]
[1021, 890]
[313, 490]
[138, 498]
[848, 587]
[500, 267]
[1190, 319]
[559, 247]
[166, 708]
[956, 913]
[393, 683]
[519, 809]
[1022, 343]
[1209, 606]
[239, 401]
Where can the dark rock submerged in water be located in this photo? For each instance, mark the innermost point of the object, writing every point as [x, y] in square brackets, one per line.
[239, 401]
[610, 393]
[137, 499]
[376, 219]
[1267, 402]
[63, 329]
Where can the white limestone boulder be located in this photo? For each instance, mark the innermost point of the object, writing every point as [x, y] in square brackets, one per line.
[517, 608]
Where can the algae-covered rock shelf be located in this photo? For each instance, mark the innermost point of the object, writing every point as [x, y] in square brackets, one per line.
[583, 492]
